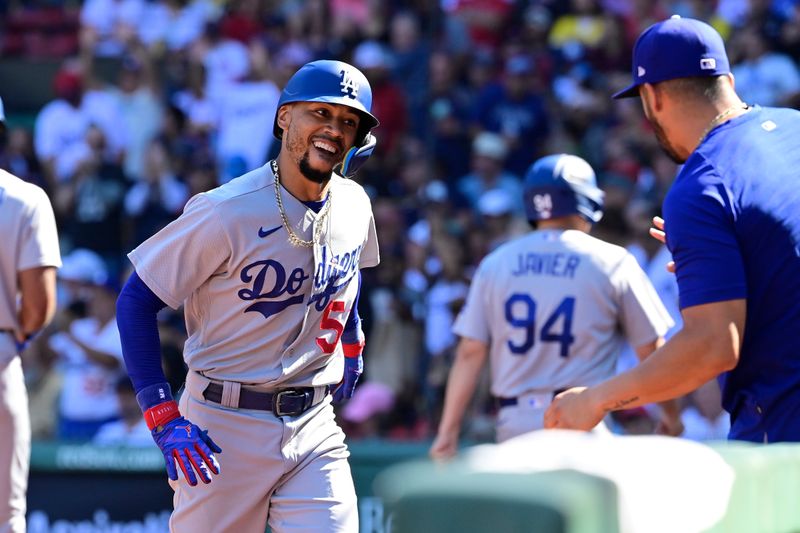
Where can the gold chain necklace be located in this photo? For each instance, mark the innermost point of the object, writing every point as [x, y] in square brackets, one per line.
[293, 238]
[716, 121]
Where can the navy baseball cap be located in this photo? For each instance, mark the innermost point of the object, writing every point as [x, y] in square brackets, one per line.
[676, 48]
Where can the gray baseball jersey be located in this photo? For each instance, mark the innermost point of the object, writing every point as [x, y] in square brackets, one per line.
[259, 310]
[266, 314]
[555, 308]
[29, 241]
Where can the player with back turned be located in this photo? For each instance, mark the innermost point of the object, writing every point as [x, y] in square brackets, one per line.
[732, 223]
[29, 256]
[551, 309]
[267, 269]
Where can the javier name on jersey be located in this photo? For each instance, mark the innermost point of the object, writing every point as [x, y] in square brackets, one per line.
[558, 265]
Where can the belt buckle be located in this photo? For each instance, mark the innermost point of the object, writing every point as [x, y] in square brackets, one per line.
[278, 398]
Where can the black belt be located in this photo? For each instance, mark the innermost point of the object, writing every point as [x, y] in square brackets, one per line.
[286, 402]
[508, 402]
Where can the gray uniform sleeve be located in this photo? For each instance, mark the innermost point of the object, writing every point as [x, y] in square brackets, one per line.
[39, 244]
[370, 256]
[472, 321]
[178, 259]
[642, 314]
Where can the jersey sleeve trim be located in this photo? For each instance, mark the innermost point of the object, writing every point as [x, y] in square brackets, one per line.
[369, 263]
[461, 332]
[42, 262]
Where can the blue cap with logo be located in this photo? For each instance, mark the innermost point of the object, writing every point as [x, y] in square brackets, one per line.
[332, 82]
[676, 48]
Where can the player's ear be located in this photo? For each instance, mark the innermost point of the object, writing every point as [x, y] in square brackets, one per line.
[652, 99]
[284, 116]
[732, 80]
[660, 95]
[644, 96]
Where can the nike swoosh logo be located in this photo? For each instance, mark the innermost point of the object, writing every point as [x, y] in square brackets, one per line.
[263, 233]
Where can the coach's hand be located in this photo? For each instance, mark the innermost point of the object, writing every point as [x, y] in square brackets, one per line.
[444, 447]
[573, 409]
[184, 443]
[670, 422]
[658, 234]
[353, 368]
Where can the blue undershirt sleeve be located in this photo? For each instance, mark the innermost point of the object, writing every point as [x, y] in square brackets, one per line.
[137, 307]
[352, 327]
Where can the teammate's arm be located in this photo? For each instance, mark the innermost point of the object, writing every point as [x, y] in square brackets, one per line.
[471, 355]
[37, 287]
[707, 345]
[670, 422]
[36, 268]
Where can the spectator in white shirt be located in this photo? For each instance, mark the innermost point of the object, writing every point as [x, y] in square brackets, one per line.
[107, 26]
[89, 352]
[244, 107]
[131, 429]
[61, 127]
[140, 109]
[226, 60]
[174, 24]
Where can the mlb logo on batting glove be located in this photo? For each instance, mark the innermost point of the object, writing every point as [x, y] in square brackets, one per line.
[192, 449]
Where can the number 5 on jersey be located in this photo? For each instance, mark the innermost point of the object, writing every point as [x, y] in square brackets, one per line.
[520, 312]
[330, 323]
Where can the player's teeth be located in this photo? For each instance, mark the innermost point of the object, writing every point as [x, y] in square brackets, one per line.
[324, 146]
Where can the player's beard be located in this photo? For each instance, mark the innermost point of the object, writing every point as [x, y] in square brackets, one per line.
[295, 144]
[665, 145]
[312, 174]
[661, 135]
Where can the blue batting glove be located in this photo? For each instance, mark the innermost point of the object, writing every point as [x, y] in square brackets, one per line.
[179, 440]
[191, 448]
[353, 368]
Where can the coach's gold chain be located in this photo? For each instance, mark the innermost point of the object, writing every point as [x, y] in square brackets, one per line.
[293, 238]
[716, 121]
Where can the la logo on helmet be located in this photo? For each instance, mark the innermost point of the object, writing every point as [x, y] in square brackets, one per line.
[543, 203]
[349, 84]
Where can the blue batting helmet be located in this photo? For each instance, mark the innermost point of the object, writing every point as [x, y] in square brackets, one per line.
[561, 185]
[332, 82]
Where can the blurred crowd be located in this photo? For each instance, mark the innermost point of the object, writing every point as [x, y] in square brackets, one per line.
[469, 93]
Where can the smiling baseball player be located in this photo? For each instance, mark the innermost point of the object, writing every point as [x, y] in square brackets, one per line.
[267, 268]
